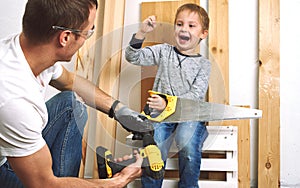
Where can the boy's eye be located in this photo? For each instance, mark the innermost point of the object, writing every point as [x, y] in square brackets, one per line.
[179, 24]
[192, 25]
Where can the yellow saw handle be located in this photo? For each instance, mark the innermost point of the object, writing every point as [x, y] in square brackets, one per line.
[169, 110]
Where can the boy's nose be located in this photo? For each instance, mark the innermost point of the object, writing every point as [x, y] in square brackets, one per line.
[185, 27]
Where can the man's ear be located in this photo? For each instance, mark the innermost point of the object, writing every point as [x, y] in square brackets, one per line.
[64, 37]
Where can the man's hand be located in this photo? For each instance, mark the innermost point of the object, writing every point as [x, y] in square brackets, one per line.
[133, 121]
[132, 171]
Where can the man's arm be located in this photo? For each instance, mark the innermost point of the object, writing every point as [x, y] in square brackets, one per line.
[92, 95]
[35, 171]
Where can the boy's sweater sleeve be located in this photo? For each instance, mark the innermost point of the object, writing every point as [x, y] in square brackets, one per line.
[136, 43]
[147, 56]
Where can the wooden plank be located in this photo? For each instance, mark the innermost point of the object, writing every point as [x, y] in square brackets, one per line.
[243, 148]
[170, 183]
[165, 15]
[269, 94]
[110, 63]
[163, 10]
[221, 138]
[219, 51]
[103, 55]
[208, 164]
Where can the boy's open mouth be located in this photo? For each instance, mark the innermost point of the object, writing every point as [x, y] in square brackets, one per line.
[183, 37]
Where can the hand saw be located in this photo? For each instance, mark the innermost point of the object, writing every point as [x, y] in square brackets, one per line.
[183, 110]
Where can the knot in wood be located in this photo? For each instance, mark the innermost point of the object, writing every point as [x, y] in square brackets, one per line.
[268, 165]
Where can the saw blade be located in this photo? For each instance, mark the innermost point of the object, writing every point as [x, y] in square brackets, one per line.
[193, 110]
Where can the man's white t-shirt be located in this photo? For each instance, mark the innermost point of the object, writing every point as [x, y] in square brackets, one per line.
[23, 113]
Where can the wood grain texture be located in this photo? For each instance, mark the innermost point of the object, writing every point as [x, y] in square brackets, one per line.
[243, 148]
[99, 60]
[219, 51]
[269, 94]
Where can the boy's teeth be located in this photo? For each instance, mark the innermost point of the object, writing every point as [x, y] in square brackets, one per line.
[184, 37]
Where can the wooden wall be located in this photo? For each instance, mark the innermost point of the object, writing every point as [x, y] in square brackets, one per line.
[269, 82]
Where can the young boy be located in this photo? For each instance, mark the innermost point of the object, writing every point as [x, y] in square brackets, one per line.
[182, 72]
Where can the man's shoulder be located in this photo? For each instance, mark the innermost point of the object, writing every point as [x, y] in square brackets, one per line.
[8, 39]
[7, 43]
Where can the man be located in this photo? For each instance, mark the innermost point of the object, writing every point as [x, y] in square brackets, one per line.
[40, 144]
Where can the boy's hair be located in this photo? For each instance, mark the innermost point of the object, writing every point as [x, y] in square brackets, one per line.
[204, 19]
[41, 15]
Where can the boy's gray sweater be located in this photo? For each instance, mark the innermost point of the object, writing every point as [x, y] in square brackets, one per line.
[177, 74]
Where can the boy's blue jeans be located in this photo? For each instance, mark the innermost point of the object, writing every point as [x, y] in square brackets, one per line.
[189, 138]
[63, 135]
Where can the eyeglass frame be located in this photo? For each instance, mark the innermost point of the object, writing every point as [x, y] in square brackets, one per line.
[87, 34]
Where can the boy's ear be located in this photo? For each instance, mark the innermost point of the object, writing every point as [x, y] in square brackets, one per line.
[204, 34]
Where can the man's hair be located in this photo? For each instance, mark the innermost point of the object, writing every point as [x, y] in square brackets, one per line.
[204, 19]
[41, 15]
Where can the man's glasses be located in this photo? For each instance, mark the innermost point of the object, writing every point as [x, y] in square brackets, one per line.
[86, 34]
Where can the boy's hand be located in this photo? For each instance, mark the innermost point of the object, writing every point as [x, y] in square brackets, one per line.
[156, 102]
[147, 26]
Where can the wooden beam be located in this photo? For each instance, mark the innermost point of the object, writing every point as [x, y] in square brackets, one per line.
[219, 51]
[109, 61]
[99, 60]
[269, 94]
[243, 148]
[243, 151]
